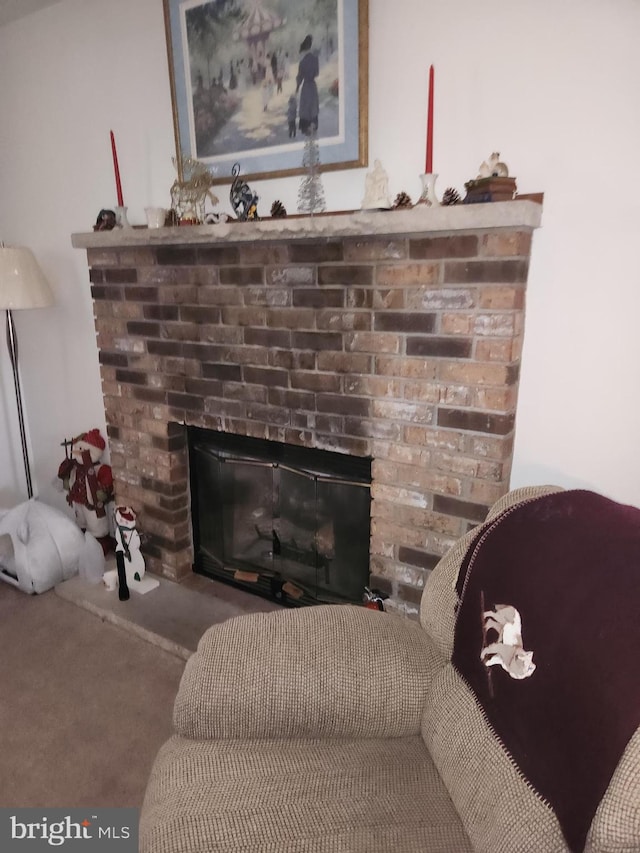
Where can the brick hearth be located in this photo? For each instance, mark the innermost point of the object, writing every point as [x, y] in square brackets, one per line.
[392, 335]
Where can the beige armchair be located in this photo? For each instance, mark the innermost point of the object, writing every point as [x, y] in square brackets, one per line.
[341, 729]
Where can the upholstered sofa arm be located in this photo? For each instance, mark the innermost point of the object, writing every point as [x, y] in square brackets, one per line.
[325, 671]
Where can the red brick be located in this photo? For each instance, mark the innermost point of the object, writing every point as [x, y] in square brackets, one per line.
[360, 297]
[292, 360]
[346, 321]
[456, 246]
[373, 342]
[474, 373]
[474, 512]
[268, 414]
[178, 295]
[295, 400]
[174, 256]
[268, 337]
[219, 295]
[409, 369]
[120, 275]
[375, 250]
[418, 558]
[404, 321]
[496, 325]
[316, 253]
[236, 316]
[266, 376]
[315, 297]
[241, 275]
[291, 276]
[415, 413]
[313, 381]
[461, 272]
[317, 341]
[344, 362]
[495, 349]
[218, 255]
[290, 318]
[501, 298]
[438, 346]
[391, 300]
[408, 275]
[475, 421]
[374, 386]
[457, 323]
[264, 254]
[243, 391]
[503, 244]
[347, 274]
[428, 392]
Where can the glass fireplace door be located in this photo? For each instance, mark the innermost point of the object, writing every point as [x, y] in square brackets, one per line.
[271, 525]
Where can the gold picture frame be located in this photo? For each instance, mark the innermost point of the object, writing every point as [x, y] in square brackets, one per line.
[235, 65]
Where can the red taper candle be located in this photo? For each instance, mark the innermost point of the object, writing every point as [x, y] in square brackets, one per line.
[116, 170]
[429, 161]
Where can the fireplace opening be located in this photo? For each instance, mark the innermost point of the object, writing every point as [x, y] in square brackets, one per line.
[282, 521]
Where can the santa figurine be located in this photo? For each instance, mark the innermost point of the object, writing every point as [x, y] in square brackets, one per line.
[89, 484]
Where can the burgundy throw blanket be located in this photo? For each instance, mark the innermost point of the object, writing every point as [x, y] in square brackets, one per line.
[570, 564]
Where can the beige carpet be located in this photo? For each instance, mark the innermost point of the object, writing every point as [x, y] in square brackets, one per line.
[84, 705]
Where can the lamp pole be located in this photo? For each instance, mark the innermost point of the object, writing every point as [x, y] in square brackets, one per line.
[12, 346]
[22, 285]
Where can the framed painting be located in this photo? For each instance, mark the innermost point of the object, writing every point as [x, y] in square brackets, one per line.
[252, 79]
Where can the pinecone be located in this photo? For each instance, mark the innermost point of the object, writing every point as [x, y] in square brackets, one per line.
[402, 200]
[450, 196]
[278, 210]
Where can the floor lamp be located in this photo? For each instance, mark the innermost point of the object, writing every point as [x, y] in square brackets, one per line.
[22, 285]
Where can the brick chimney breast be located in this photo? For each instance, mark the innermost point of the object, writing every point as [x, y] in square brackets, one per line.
[395, 335]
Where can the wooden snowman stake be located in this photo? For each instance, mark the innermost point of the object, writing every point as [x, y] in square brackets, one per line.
[129, 560]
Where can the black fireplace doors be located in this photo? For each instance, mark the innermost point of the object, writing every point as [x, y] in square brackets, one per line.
[283, 521]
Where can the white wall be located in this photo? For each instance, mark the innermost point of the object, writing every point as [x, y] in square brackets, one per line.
[552, 86]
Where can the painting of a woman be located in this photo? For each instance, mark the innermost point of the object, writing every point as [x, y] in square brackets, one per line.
[308, 70]
[252, 79]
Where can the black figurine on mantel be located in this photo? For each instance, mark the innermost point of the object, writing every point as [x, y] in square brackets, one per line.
[244, 200]
[106, 221]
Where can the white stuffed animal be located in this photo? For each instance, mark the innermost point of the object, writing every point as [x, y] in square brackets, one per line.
[41, 546]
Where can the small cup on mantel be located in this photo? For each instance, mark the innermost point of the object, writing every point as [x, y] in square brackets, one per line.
[156, 216]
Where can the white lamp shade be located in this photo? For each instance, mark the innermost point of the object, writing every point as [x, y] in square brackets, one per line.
[22, 282]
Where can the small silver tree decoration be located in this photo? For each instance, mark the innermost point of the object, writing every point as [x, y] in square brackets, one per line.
[311, 193]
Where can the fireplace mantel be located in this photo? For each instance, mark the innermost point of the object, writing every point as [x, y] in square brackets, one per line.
[390, 335]
[394, 223]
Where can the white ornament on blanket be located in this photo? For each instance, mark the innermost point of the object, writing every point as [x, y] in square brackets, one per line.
[508, 650]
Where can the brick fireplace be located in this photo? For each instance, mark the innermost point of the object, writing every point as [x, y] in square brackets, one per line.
[392, 335]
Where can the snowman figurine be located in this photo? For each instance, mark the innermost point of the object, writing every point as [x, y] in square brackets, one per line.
[89, 484]
[128, 547]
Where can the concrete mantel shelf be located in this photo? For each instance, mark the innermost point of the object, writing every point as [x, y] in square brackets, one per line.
[380, 223]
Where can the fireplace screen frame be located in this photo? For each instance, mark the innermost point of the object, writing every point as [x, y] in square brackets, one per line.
[286, 522]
